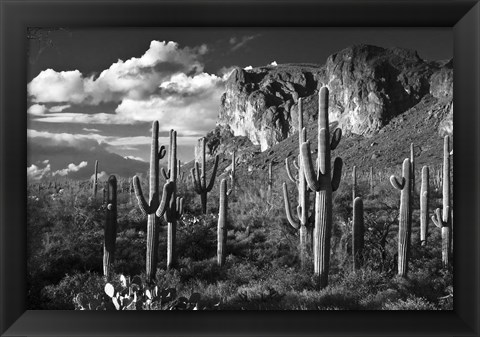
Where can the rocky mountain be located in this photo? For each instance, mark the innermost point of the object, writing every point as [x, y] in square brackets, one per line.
[369, 87]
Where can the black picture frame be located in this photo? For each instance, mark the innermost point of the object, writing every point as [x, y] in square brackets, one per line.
[16, 15]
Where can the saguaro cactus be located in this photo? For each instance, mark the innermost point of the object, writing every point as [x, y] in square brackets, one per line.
[301, 223]
[95, 180]
[154, 208]
[446, 178]
[110, 226]
[424, 196]
[412, 169]
[405, 218]
[444, 225]
[200, 180]
[167, 174]
[232, 174]
[354, 183]
[175, 206]
[358, 231]
[222, 224]
[443, 220]
[323, 183]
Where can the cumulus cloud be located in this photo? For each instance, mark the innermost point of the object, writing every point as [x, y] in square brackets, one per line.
[36, 173]
[37, 110]
[135, 78]
[166, 83]
[70, 168]
[189, 105]
[53, 86]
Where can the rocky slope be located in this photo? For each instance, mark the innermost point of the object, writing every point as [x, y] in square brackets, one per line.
[369, 86]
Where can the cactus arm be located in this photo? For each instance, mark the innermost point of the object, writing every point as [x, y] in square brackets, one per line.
[289, 172]
[308, 170]
[295, 164]
[337, 173]
[168, 189]
[396, 184]
[142, 203]
[291, 220]
[438, 221]
[336, 137]
[299, 211]
[214, 174]
[179, 207]
[165, 174]
[162, 152]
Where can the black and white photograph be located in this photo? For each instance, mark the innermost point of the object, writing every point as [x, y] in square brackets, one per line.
[188, 168]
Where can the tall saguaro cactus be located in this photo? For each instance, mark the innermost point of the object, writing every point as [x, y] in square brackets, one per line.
[110, 226]
[446, 177]
[354, 183]
[301, 223]
[270, 179]
[358, 232]
[323, 183]
[405, 218]
[444, 225]
[222, 224]
[175, 206]
[167, 174]
[424, 196]
[95, 180]
[232, 174]
[412, 168]
[444, 222]
[199, 178]
[154, 208]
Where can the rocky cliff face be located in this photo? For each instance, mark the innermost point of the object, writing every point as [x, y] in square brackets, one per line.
[368, 87]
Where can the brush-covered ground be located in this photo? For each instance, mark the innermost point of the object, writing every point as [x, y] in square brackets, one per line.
[262, 270]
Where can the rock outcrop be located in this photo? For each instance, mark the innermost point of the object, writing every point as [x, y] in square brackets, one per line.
[368, 87]
[441, 87]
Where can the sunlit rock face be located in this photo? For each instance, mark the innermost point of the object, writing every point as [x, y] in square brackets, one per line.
[441, 87]
[368, 87]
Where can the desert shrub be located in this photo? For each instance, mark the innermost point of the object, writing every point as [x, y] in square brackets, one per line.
[411, 303]
[61, 295]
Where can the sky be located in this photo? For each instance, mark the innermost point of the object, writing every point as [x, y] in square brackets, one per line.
[92, 94]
